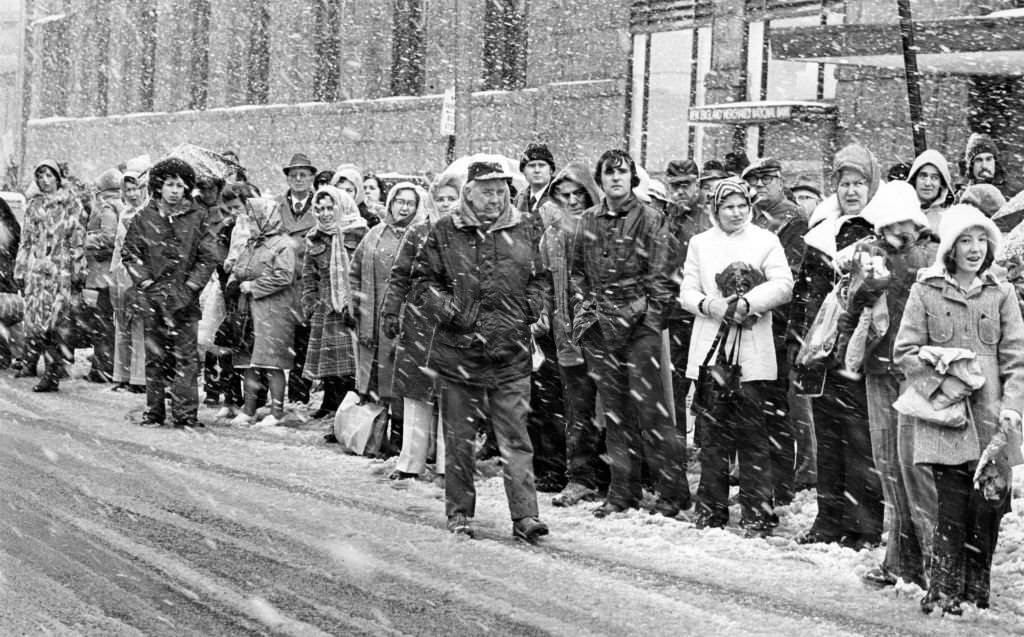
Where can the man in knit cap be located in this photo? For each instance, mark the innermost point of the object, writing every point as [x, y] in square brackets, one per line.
[538, 165]
[981, 164]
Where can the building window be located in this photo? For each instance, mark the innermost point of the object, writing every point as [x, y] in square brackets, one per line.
[668, 78]
[327, 50]
[146, 21]
[258, 89]
[504, 44]
[408, 50]
[199, 46]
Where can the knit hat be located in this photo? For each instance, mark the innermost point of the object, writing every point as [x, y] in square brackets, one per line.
[984, 197]
[856, 157]
[895, 202]
[977, 144]
[726, 187]
[52, 165]
[171, 167]
[109, 180]
[958, 219]
[537, 152]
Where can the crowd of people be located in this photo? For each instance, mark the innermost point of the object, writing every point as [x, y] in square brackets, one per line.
[863, 339]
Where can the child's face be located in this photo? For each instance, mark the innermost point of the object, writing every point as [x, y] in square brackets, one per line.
[901, 234]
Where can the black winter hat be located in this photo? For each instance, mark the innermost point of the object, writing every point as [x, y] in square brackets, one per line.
[171, 167]
[681, 170]
[537, 152]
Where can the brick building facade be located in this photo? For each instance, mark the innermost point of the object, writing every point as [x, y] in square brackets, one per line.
[361, 81]
[346, 81]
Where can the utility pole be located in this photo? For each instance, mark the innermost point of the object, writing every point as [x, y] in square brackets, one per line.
[913, 76]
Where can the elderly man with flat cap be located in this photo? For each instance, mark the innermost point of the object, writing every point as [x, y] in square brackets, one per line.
[481, 278]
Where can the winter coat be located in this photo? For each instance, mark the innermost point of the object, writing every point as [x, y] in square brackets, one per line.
[556, 250]
[101, 231]
[51, 259]
[175, 253]
[331, 350]
[415, 341]
[371, 267]
[681, 225]
[269, 263]
[297, 224]
[619, 271]
[123, 294]
[711, 252]
[787, 221]
[945, 198]
[830, 232]
[10, 239]
[522, 203]
[903, 266]
[985, 320]
[496, 271]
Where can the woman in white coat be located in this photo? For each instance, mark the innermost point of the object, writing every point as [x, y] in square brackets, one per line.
[736, 245]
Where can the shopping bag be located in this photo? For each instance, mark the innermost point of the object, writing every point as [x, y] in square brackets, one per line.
[820, 340]
[912, 403]
[360, 426]
[718, 384]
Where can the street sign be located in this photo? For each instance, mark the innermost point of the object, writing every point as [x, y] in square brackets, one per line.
[448, 112]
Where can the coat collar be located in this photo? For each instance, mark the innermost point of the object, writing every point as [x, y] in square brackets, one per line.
[935, 276]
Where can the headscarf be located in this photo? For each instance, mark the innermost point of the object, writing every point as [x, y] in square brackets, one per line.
[352, 174]
[266, 221]
[346, 218]
[726, 187]
[421, 205]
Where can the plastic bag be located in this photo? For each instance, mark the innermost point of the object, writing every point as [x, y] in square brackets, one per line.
[211, 300]
[820, 341]
[359, 426]
[912, 403]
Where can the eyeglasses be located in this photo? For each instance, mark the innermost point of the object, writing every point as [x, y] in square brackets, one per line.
[754, 180]
[404, 203]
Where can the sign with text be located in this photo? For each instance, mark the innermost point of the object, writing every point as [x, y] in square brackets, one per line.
[448, 112]
[752, 113]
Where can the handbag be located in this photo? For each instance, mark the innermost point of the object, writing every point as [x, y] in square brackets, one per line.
[360, 426]
[12, 308]
[718, 384]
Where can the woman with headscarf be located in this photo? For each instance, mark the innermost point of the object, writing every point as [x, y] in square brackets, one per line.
[735, 245]
[263, 274]
[326, 295]
[51, 264]
[849, 490]
[370, 271]
[349, 179]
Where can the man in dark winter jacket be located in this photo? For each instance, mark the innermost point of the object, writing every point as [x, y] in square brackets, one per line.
[981, 164]
[481, 277]
[620, 289]
[775, 212]
[170, 252]
[538, 165]
[684, 218]
[296, 209]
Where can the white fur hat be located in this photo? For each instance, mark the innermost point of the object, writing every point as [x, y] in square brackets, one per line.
[895, 202]
[958, 219]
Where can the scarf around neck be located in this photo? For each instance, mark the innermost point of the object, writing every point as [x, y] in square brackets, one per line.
[346, 219]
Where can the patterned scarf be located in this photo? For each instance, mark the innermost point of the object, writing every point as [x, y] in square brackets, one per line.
[346, 219]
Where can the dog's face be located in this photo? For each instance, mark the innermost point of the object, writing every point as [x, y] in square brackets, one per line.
[738, 278]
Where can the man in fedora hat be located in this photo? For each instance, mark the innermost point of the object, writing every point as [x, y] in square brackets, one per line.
[483, 281]
[295, 207]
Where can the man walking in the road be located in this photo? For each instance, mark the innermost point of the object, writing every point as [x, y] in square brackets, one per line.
[295, 207]
[481, 278]
[620, 287]
[170, 253]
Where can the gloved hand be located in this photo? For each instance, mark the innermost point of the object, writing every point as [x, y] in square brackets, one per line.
[390, 325]
[718, 307]
[1009, 421]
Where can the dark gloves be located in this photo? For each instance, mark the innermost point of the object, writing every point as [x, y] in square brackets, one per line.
[232, 292]
[390, 325]
[347, 320]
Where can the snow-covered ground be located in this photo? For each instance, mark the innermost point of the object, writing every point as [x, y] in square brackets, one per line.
[633, 573]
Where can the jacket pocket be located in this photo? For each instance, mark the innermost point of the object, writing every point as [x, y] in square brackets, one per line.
[940, 327]
[988, 329]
